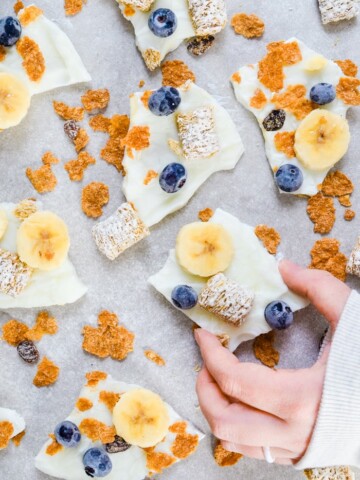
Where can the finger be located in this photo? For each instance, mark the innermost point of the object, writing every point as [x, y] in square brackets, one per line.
[258, 453]
[211, 400]
[325, 292]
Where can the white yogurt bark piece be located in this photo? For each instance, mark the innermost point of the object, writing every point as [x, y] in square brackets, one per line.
[252, 267]
[194, 18]
[304, 70]
[43, 288]
[131, 464]
[11, 416]
[151, 202]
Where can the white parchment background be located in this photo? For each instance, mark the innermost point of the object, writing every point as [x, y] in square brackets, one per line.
[106, 44]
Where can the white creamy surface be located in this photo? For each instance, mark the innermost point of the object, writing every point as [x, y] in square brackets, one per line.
[128, 465]
[9, 415]
[252, 267]
[45, 288]
[63, 64]
[294, 75]
[152, 203]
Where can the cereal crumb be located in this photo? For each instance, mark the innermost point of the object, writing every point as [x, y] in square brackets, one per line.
[54, 446]
[151, 174]
[236, 77]
[97, 431]
[110, 399]
[42, 179]
[249, 26]
[284, 142]
[184, 445]
[18, 6]
[47, 373]
[113, 152]
[99, 123]
[33, 59]
[145, 97]
[345, 201]
[294, 99]
[269, 237]
[138, 138]
[141, 83]
[109, 338]
[348, 67]
[94, 377]
[178, 427]
[154, 357]
[77, 167]
[49, 159]
[6, 430]
[224, 339]
[14, 332]
[326, 255]
[348, 90]
[337, 184]
[129, 10]
[73, 7]
[18, 438]
[321, 212]
[175, 73]
[224, 458]
[81, 140]
[206, 214]
[95, 99]
[349, 215]
[264, 349]
[94, 197]
[258, 100]
[68, 113]
[84, 404]
[44, 325]
[158, 461]
[29, 14]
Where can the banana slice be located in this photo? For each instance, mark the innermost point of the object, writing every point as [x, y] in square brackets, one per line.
[4, 222]
[14, 100]
[321, 139]
[204, 249]
[43, 241]
[315, 63]
[141, 418]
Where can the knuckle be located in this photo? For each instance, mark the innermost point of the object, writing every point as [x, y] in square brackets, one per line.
[229, 386]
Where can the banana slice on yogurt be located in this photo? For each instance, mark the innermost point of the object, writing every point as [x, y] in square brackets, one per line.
[11, 424]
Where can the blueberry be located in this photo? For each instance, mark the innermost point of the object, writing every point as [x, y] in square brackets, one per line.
[10, 31]
[184, 297]
[97, 462]
[322, 93]
[173, 177]
[289, 178]
[162, 22]
[279, 315]
[67, 434]
[165, 101]
[274, 121]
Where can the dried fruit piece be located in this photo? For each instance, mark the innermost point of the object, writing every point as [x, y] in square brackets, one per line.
[175, 73]
[94, 197]
[326, 255]
[47, 373]
[249, 26]
[117, 446]
[224, 458]
[321, 212]
[28, 351]
[269, 236]
[71, 128]
[264, 349]
[200, 45]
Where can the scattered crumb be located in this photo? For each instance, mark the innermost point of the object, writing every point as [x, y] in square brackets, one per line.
[73, 7]
[224, 458]
[94, 377]
[184, 445]
[154, 357]
[18, 438]
[151, 174]
[269, 237]
[94, 197]
[158, 461]
[49, 159]
[348, 90]
[197, 368]
[259, 99]
[141, 83]
[13, 332]
[326, 255]
[349, 215]
[29, 15]
[97, 431]
[321, 212]
[18, 6]
[129, 11]
[81, 140]
[337, 184]
[348, 67]
[345, 201]
[99, 123]
[83, 404]
[6, 430]
[294, 99]
[175, 73]
[109, 338]
[95, 99]
[224, 339]
[264, 349]
[33, 59]
[44, 325]
[206, 214]
[236, 77]
[284, 142]
[77, 167]
[68, 113]
[110, 399]
[54, 446]
[47, 373]
[249, 26]
[42, 179]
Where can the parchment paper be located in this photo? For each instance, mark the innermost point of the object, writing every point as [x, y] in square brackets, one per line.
[106, 44]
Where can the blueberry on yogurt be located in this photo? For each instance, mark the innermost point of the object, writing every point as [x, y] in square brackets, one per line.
[289, 178]
[164, 102]
[322, 93]
[97, 462]
[173, 177]
[162, 22]
[184, 297]
[10, 31]
[67, 434]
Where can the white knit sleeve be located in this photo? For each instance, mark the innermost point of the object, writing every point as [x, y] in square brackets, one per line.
[336, 437]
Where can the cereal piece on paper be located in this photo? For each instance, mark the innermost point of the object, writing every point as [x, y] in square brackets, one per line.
[224, 458]
[337, 184]
[141, 83]
[45, 325]
[73, 7]
[349, 215]
[33, 59]
[81, 140]
[151, 174]
[345, 201]
[77, 167]
[205, 215]
[47, 373]
[99, 123]
[113, 152]
[14, 274]
[348, 67]
[249, 26]
[326, 255]
[6, 432]
[18, 438]
[95, 99]
[94, 197]
[337, 10]
[348, 90]
[321, 212]
[42, 179]
[330, 473]
[120, 231]
[353, 264]
[154, 357]
[49, 159]
[14, 332]
[264, 349]
[68, 113]
[208, 16]
[269, 237]
[175, 73]
[199, 45]
[284, 143]
[109, 339]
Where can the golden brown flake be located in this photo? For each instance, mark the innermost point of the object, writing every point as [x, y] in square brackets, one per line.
[249, 26]
[349, 215]
[269, 236]
[321, 212]
[145, 97]
[206, 214]
[158, 461]
[264, 349]
[348, 67]
[294, 100]
[259, 99]
[18, 438]
[236, 77]
[154, 357]
[138, 137]
[2, 53]
[175, 73]
[77, 167]
[14, 332]
[49, 159]
[178, 427]
[337, 184]
[81, 140]
[129, 10]
[224, 458]
[44, 325]
[326, 255]
[97, 431]
[95, 99]
[348, 90]
[18, 6]
[110, 399]
[284, 142]
[151, 174]
[29, 14]
[99, 123]
[33, 59]
[94, 197]
[184, 445]
[141, 83]
[54, 446]
[152, 58]
[109, 338]
[119, 126]
[113, 152]
[94, 377]
[6, 430]
[47, 373]
[73, 7]
[224, 339]
[345, 201]
[84, 404]
[68, 113]
[42, 179]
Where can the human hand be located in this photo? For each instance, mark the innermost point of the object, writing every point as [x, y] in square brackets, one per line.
[250, 406]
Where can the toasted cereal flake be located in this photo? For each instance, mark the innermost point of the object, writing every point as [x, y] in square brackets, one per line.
[54, 446]
[129, 11]
[119, 126]
[152, 58]
[94, 377]
[6, 431]
[348, 90]
[197, 133]
[175, 73]
[99, 123]
[138, 137]
[280, 55]
[206, 214]
[73, 7]
[321, 212]
[249, 26]
[349, 215]
[145, 97]
[25, 208]
[49, 159]
[326, 255]
[18, 438]
[184, 445]
[110, 399]
[265, 351]
[224, 339]
[208, 16]
[337, 184]
[200, 45]
[330, 473]
[178, 427]
[44, 325]
[14, 274]
[259, 99]
[33, 59]
[97, 431]
[151, 174]
[348, 67]
[236, 77]
[109, 339]
[294, 99]
[2, 53]
[345, 201]
[77, 167]
[336, 10]
[94, 197]
[42, 179]
[84, 404]
[29, 14]
[141, 83]
[226, 299]
[13, 332]
[224, 458]
[284, 142]
[18, 6]
[120, 231]
[269, 237]
[95, 99]
[154, 357]
[157, 461]
[68, 113]
[113, 153]
[143, 5]
[81, 140]
[47, 373]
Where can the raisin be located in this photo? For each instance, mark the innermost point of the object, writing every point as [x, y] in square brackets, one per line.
[274, 121]
[118, 445]
[28, 351]
[199, 45]
[71, 128]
